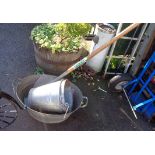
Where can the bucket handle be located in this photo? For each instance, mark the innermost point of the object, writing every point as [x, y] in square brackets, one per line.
[66, 112]
[84, 102]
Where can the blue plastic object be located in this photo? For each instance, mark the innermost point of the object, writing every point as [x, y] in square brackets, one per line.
[136, 96]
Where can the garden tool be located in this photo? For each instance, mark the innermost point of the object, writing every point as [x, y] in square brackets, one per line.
[23, 87]
[51, 97]
[98, 50]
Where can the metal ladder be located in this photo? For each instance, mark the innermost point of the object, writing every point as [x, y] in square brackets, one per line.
[138, 40]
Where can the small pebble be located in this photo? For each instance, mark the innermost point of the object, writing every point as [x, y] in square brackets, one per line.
[97, 115]
[93, 83]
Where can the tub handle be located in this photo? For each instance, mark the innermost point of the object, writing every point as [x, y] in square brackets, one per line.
[15, 84]
[84, 102]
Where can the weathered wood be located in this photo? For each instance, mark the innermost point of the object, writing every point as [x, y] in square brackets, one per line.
[143, 48]
[57, 63]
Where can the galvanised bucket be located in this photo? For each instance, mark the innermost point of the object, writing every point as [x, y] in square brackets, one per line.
[54, 97]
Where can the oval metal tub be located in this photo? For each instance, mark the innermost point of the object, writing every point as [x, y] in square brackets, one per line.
[22, 87]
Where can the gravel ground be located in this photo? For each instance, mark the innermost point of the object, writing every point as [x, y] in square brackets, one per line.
[105, 111]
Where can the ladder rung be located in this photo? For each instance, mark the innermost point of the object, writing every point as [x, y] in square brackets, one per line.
[129, 38]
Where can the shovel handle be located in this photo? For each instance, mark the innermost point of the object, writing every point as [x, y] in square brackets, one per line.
[98, 50]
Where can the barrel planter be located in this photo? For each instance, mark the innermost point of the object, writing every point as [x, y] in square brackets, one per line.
[56, 63]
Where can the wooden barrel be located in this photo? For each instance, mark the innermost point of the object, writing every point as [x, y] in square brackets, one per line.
[56, 63]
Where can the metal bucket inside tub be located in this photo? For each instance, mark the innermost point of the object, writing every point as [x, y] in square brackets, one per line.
[23, 86]
[55, 97]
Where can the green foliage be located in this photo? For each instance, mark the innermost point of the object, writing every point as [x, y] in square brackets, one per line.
[78, 29]
[62, 37]
[38, 71]
[115, 62]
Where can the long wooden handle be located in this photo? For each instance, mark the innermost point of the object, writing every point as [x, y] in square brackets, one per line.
[98, 50]
[118, 36]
